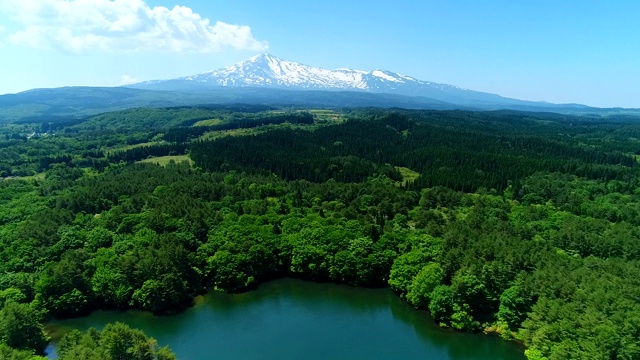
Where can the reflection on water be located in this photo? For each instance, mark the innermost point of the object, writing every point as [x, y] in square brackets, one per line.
[291, 319]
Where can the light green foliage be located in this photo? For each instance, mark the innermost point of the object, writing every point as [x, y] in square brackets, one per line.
[20, 328]
[358, 263]
[574, 301]
[166, 160]
[115, 342]
[514, 306]
[208, 122]
[461, 318]
[308, 254]
[534, 354]
[442, 304]
[237, 264]
[408, 175]
[420, 250]
[111, 287]
[423, 285]
[405, 268]
[11, 294]
[9, 353]
[158, 295]
[227, 268]
[468, 289]
[63, 287]
[18, 200]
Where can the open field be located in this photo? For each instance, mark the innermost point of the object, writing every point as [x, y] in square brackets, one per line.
[129, 147]
[408, 175]
[209, 122]
[165, 160]
[327, 116]
[39, 176]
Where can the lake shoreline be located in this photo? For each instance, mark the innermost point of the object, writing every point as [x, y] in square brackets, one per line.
[365, 307]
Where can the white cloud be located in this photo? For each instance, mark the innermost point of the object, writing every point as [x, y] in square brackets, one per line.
[128, 79]
[80, 26]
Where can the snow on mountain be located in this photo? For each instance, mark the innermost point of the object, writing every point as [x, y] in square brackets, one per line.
[268, 70]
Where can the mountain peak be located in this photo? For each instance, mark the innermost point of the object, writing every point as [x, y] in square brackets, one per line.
[262, 57]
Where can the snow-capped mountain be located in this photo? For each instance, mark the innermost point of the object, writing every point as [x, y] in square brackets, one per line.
[269, 72]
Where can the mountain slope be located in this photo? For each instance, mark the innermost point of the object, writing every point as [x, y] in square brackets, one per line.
[69, 103]
[51, 105]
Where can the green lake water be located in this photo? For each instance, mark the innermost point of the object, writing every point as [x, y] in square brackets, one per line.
[292, 319]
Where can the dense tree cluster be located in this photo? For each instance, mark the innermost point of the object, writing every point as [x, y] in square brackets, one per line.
[459, 158]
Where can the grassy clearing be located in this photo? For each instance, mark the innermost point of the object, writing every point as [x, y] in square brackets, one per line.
[322, 116]
[129, 147]
[212, 135]
[327, 116]
[209, 122]
[165, 160]
[251, 131]
[408, 175]
[38, 176]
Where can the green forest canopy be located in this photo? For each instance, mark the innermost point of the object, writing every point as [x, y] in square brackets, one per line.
[521, 224]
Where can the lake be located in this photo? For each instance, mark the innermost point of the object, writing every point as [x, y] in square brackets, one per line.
[292, 319]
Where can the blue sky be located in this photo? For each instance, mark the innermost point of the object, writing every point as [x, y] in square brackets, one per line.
[573, 51]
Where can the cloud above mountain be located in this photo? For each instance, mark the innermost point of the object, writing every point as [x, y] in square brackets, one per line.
[128, 79]
[83, 26]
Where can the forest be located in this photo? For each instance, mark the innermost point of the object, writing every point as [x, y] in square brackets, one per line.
[524, 225]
